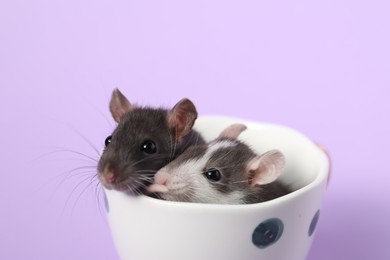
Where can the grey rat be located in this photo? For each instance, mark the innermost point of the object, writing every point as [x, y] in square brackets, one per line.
[144, 140]
[223, 171]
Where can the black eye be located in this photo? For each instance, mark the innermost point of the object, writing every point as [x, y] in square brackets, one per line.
[108, 140]
[149, 147]
[212, 174]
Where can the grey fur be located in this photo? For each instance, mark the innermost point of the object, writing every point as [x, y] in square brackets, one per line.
[232, 163]
[134, 170]
[234, 187]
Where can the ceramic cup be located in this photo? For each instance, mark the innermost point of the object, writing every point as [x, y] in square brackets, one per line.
[144, 228]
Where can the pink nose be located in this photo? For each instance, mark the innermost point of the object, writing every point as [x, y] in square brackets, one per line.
[161, 177]
[160, 183]
[108, 175]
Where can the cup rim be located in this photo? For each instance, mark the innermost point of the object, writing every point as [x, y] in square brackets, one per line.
[322, 176]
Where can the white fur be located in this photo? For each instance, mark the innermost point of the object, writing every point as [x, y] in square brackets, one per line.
[187, 183]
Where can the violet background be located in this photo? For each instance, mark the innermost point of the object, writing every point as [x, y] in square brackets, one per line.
[321, 67]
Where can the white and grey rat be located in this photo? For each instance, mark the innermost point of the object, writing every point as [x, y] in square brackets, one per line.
[144, 140]
[223, 171]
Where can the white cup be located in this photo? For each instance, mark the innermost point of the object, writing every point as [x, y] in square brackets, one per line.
[144, 228]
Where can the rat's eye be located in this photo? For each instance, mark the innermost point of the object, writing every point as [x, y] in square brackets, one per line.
[149, 147]
[212, 175]
[108, 140]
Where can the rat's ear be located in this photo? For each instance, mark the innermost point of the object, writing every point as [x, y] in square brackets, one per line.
[265, 168]
[232, 131]
[181, 118]
[119, 105]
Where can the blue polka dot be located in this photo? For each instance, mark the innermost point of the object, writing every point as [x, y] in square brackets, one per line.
[106, 202]
[313, 223]
[267, 232]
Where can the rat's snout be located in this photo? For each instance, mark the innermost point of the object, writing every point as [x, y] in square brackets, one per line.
[160, 182]
[161, 178]
[108, 175]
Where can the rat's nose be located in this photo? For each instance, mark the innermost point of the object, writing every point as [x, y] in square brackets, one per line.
[161, 177]
[108, 175]
[160, 183]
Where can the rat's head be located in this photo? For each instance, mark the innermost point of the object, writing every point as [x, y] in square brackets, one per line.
[144, 141]
[223, 171]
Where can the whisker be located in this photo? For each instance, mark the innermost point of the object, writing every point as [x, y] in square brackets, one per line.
[130, 189]
[73, 190]
[189, 194]
[173, 145]
[134, 189]
[138, 182]
[147, 171]
[61, 149]
[60, 179]
[88, 141]
[225, 155]
[63, 159]
[156, 195]
[100, 194]
[240, 181]
[81, 194]
[74, 172]
[146, 159]
[143, 177]
[109, 122]
[147, 179]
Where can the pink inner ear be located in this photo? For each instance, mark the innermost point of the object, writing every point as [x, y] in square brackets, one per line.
[182, 117]
[233, 131]
[266, 168]
[119, 105]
